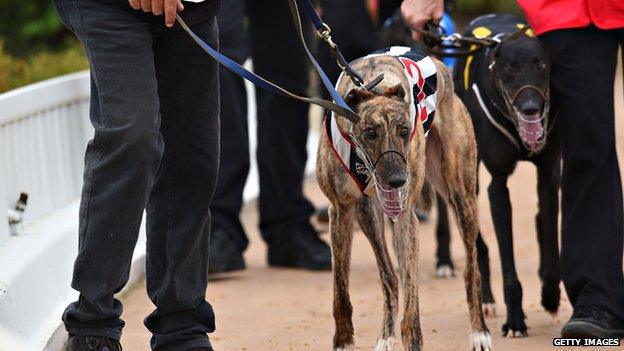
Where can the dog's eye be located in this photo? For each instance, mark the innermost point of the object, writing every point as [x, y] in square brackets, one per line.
[370, 133]
[509, 68]
[541, 66]
[404, 132]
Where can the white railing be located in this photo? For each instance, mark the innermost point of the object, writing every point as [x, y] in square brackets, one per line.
[43, 132]
[44, 129]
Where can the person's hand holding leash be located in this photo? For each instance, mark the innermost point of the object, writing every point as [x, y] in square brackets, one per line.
[158, 7]
[418, 12]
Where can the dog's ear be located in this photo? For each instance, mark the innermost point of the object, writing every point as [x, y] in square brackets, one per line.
[396, 91]
[356, 96]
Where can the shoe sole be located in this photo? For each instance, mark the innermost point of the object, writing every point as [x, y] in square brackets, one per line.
[300, 265]
[581, 329]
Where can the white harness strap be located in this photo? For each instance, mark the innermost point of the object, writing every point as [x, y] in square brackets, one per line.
[497, 125]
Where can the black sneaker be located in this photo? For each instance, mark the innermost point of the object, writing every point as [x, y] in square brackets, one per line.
[225, 256]
[301, 248]
[593, 322]
[92, 343]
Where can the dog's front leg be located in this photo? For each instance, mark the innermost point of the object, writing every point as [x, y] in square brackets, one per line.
[340, 228]
[406, 246]
[372, 224]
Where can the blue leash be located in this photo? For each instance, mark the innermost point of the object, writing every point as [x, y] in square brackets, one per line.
[339, 105]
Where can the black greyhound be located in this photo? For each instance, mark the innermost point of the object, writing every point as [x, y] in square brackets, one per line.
[505, 89]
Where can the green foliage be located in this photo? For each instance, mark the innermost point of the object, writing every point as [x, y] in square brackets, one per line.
[29, 26]
[34, 45]
[19, 71]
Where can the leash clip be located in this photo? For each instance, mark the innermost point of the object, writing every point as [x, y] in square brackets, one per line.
[325, 34]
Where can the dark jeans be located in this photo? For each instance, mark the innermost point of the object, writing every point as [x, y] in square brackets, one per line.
[583, 72]
[282, 123]
[155, 108]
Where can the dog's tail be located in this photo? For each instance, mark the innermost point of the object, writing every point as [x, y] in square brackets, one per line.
[426, 198]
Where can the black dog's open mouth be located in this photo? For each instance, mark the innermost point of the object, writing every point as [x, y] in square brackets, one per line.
[531, 130]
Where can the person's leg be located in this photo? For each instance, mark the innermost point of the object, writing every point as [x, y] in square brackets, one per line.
[228, 238]
[121, 161]
[387, 8]
[178, 211]
[352, 30]
[282, 135]
[582, 77]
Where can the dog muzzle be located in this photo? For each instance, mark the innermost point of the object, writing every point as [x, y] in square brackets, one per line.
[393, 201]
[531, 128]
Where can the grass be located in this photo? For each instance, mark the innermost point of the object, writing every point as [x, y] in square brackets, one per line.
[16, 71]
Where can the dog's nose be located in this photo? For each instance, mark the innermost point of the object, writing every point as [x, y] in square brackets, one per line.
[396, 180]
[530, 108]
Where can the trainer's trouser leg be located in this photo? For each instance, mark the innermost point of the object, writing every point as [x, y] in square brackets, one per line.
[352, 30]
[282, 123]
[121, 161]
[583, 71]
[178, 212]
[234, 159]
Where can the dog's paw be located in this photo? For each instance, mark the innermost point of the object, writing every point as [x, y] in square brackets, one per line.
[515, 327]
[480, 341]
[386, 344]
[551, 295]
[517, 331]
[349, 347]
[445, 271]
[489, 309]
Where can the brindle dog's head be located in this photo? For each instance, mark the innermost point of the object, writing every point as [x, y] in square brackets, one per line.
[521, 73]
[383, 131]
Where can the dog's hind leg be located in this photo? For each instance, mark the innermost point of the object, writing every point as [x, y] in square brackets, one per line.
[371, 222]
[341, 231]
[452, 169]
[405, 238]
[483, 258]
[465, 207]
[444, 266]
[547, 235]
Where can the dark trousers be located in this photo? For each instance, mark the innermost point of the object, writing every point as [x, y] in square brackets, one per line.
[154, 106]
[583, 72]
[353, 31]
[282, 123]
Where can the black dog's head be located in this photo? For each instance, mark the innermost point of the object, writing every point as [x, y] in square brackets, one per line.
[521, 71]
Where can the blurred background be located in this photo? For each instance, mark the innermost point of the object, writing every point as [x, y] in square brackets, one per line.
[35, 46]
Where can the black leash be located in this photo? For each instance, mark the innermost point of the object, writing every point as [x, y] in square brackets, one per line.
[458, 45]
[453, 45]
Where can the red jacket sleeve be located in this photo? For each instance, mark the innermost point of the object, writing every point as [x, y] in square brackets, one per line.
[547, 15]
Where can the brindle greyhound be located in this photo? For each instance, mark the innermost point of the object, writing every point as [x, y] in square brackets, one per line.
[449, 166]
[506, 92]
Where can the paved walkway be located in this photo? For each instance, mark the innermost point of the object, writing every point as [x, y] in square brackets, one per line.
[280, 309]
